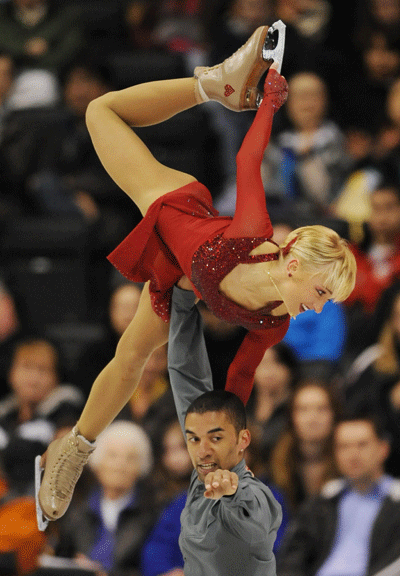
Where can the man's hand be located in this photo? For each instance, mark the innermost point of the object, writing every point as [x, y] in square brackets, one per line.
[220, 483]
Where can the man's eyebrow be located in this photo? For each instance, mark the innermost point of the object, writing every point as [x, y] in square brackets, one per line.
[209, 432]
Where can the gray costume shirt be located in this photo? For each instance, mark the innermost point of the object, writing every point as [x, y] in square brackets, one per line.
[232, 536]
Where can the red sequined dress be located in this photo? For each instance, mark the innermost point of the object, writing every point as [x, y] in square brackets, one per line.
[182, 234]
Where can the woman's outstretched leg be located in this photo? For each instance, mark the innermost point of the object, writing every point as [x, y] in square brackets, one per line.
[65, 457]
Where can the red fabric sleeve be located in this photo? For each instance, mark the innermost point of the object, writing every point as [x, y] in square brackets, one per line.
[240, 376]
[251, 216]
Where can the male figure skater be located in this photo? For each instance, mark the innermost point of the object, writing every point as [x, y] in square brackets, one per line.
[229, 523]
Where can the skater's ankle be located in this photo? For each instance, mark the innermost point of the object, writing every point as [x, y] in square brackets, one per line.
[86, 438]
[199, 92]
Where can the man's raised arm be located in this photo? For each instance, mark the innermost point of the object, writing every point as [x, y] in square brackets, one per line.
[188, 363]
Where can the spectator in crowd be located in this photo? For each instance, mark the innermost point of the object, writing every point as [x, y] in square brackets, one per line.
[364, 84]
[122, 306]
[7, 73]
[40, 33]
[256, 461]
[9, 199]
[238, 19]
[378, 260]
[36, 388]
[170, 477]
[267, 409]
[152, 402]
[351, 527]
[372, 381]
[388, 139]
[173, 467]
[109, 529]
[302, 460]
[180, 27]
[43, 37]
[306, 163]
[12, 328]
[21, 542]
[68, 176]
[161, 555]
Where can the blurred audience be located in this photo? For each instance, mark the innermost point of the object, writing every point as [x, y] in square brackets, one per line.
[363, 86]
[161, 555]
[7, 75]
[12, 328]
[378, 260]
[21, 542]
[109, 529]
[40, 33]
[36, 387]
[274, 380]
[351, 526]
[170, 477]
[122, 306]
[372, 381]
[305, 164]
[42, 36]
[172, 468]
[302, 460]
[68, 176]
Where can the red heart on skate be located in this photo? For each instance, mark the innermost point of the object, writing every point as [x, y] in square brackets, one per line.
[228, 90]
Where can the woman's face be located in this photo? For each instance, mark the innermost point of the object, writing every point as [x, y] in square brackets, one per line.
[305, 291]
[307, 101]
[312, 414]
[175, 458]
[272, 377]
[123, 305]
[119, 467]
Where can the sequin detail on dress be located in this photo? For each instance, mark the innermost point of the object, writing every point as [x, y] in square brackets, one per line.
[213, 261]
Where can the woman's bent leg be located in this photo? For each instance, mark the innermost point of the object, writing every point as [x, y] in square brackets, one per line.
[125, 157]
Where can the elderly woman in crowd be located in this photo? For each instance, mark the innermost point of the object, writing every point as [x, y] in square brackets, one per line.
[108, 531]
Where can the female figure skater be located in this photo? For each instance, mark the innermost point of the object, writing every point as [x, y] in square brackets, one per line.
[232, 264]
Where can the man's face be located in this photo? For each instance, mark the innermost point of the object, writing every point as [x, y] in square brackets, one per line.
[360, 454]
[384, 219]
[80, 89]
[33, 373]
[213, 442]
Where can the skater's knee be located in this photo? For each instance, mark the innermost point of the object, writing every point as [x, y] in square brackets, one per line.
[130, 362]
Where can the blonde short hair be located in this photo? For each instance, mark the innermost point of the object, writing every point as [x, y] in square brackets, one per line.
[321, 250]
[125, 431]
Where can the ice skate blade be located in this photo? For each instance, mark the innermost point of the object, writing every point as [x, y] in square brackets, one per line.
[274, 45]
[42, 521]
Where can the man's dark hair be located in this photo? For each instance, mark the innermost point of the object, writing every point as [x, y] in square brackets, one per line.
[373, 418]
[221, 401]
